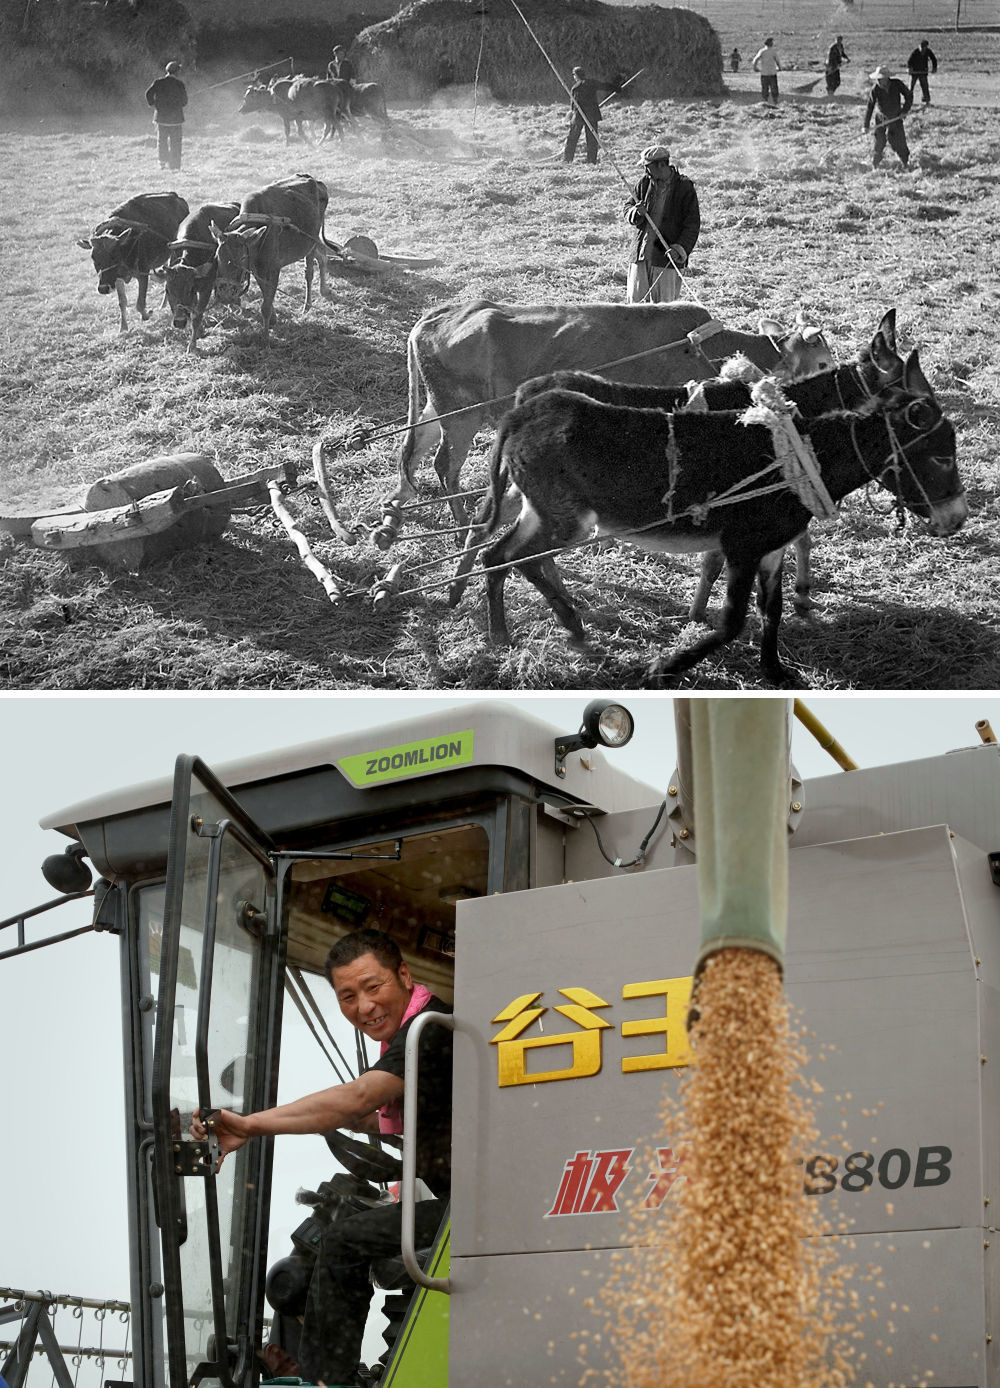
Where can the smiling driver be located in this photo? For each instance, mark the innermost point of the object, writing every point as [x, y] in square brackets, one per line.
[376, 993]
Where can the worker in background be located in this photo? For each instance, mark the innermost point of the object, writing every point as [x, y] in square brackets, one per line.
[663, 208]
[168, 97]
[585, 113]
[917, 66]
[341, 65]
[768, 64]
[889, 101]
[835, 60]
[734, 60]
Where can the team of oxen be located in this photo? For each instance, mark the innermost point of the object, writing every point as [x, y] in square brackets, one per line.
[219, 247]
[332, 102]
[651, 424]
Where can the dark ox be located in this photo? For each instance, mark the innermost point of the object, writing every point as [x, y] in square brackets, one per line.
[878, 366]
[472, 357]
[359, 99]
[131, 241]
[273, 228]
[653, 478]
[192, 266]
[368, 99]
[298, 99]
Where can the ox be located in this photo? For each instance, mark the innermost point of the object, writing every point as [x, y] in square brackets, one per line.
[847, 387]
[192, 266]
[359, 99]
[131, 241]
[273, 228]
[298, 99]
[470, 358]
[657, 478]
[368, 99]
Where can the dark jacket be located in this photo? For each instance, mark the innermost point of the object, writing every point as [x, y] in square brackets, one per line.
[891, 101]
[679, 223]
[835, 57]
[342, 68]
[584, 99]
[168, 97]
[918, 60]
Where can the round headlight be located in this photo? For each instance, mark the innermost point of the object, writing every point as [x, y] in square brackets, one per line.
[610, 724]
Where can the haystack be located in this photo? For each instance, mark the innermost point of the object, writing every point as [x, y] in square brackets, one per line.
[678, 48]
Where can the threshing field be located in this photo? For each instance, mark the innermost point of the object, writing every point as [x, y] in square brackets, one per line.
[793, 218]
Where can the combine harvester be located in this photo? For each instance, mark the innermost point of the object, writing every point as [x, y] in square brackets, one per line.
[555, 900]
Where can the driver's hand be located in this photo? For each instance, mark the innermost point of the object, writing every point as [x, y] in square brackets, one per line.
[229, 1128]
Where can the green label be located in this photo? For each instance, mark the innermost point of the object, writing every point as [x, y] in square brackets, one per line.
[409, 759]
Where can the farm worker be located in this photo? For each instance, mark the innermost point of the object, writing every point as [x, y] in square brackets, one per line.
[889, 101]
[734, 60]
[168, 97]
[341, 65]
[768, 64]
[585, 113]
[377, 994]
[916, 66]
[665, 200]
[835, 59]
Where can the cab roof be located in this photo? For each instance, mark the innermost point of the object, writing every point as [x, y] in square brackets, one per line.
[406, 750]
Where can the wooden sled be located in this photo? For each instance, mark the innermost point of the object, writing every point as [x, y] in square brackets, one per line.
[149, 511]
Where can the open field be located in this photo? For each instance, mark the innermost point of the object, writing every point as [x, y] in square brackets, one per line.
[793, 217]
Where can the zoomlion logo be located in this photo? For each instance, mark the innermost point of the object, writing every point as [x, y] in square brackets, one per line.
[408, 759]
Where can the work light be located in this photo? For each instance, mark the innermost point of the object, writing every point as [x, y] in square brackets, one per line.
[604, 722]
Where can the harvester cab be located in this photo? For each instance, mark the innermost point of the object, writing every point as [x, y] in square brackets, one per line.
[227, 890]
[553, 899]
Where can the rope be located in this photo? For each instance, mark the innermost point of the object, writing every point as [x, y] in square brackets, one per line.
[479, 61]
[243, 76]
[795, 454]
[697, 513]
[401, 426]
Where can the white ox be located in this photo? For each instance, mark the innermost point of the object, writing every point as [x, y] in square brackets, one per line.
[471, 357]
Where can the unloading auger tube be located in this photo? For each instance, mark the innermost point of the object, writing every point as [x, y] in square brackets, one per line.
[734, 772]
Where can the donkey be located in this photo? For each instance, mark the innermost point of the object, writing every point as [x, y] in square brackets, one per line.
[665, 481]
[877, 367]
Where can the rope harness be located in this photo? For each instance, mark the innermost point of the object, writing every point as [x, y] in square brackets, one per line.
[805, 478]
[897, 461]
[793, 453]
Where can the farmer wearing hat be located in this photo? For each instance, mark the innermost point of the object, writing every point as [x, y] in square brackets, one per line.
[835, 59]
[168, 97]
[341, 65]
[663, 208]
[585, 113]
[888, 101]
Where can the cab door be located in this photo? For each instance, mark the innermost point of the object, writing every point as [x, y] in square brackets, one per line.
[216, 1046]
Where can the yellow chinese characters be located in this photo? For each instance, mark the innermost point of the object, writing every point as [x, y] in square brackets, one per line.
[512, 1048]
[586, 1042]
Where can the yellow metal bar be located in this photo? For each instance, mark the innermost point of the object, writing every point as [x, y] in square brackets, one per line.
[825, 739]
[984, 730]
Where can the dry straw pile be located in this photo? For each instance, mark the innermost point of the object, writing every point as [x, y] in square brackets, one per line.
[89, 54]
[679, 49]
